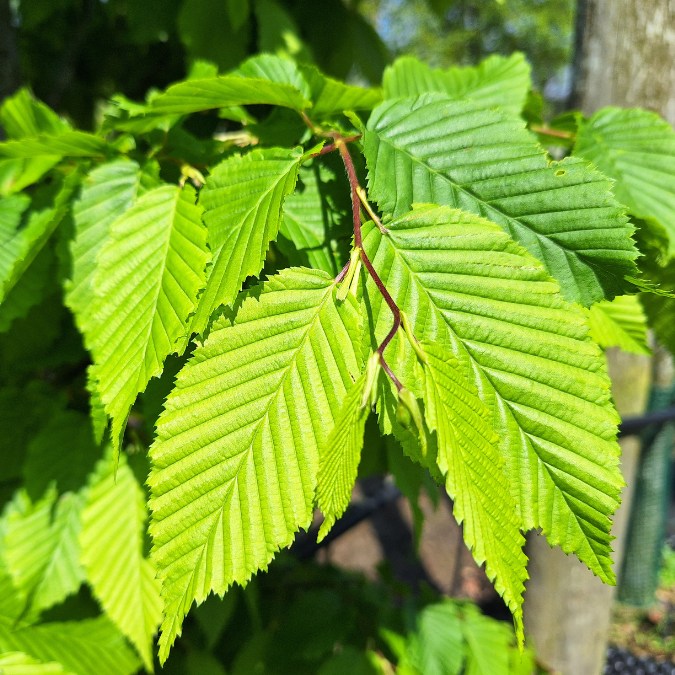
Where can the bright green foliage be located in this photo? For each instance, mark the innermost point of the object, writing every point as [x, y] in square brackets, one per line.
[456, 317]
[242, 202]
[432, 149]
[541, 376]
[224, 91]
[18, 663]
[312, 216]
[149, 273]
[247, 421]
[331, 96]
[112, 539]
[41, 548]
[451, 638]
[339, 459]
[107, 192]
[620, 323]
[497, 82]
[475, 476]
[80, 647]
[637, 149]
[66, 144]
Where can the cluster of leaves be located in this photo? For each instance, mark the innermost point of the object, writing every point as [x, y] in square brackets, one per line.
[467, 313]
[355, 626]
[76, 52]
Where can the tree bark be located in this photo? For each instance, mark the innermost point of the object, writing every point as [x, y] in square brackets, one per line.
[626, 57]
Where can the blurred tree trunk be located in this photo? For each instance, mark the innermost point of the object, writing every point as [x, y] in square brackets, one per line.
[625, 57]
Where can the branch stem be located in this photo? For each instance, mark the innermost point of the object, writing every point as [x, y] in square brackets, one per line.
[554, 133]
[358, 242]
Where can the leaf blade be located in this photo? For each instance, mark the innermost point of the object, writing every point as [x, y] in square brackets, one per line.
[262, 390]
[431, 149]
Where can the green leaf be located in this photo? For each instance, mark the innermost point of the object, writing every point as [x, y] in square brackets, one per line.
[497, 81]
[66, 144]
[149, 273]
[28, 291]
[14, 242]
[235, 461]
[23, 116]
[18, 663]
[276, 69]
[63, 452]
[339, 458]
[41, 548]
[637, 149]
[437, 646]
[488, 643]
[463, 282]
[431, 149]
[107, 192]
[313, 216]
[21, 242]
[80, 647]
[621, 323]
[475, 476]
[331, 96]
[242, 200]
[225, 91]
[18, 174]
[112, 539]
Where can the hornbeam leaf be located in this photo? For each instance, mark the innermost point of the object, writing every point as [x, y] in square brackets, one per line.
[41, 548]
[66, 144]
[225, 91]
[113, 529]
[497, 81]
[637, 149]
[526, 351]
[475, 476]
[80, 647]
[149, 273]
[18, 663]
[107, 192]
[242, 200]
[22, 115]
[236, 457]
[332, 97]
[431, 149]
[273, 68]
[312, 219]
[339, 461]
[621, 323]
[21, 242]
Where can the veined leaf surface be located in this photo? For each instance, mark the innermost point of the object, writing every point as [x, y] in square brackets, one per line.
[235, 461]
[149, 273]
[107, 192]
[497, 81]
[526, 352]
[339, 461]
[112, 538]
[621, 323]
[637, 149]
[225, 91]
[242, 201]
[475, 475]
[431, 149]
[312, 216]
[41, 549]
